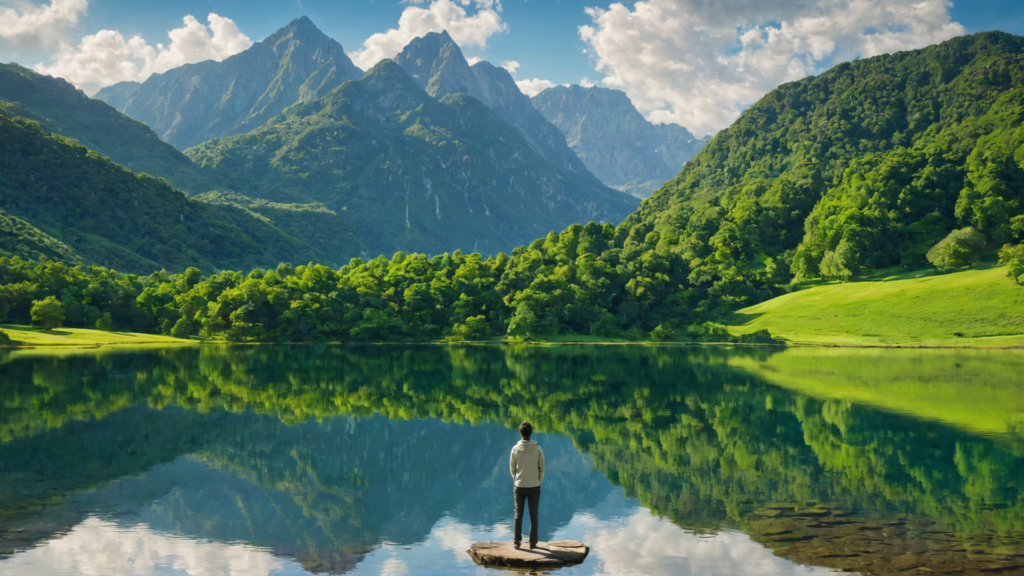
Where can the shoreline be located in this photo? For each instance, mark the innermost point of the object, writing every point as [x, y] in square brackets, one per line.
[169, 343]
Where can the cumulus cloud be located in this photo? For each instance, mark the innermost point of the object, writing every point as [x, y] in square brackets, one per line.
[699, 63]
[452, 15]
[105, 58]
[535, 86]
[511, 66]
[39, 26]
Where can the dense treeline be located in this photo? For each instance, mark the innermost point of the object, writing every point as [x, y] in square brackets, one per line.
[594, 279]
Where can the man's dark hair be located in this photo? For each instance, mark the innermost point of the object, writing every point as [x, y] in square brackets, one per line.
[526, 430]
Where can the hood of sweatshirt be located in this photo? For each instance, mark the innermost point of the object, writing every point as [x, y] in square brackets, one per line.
[527, 446]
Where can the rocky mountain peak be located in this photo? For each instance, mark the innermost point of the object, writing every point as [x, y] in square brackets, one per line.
[437, 64]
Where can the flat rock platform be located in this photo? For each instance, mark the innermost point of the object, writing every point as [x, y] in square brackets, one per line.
[546, 555]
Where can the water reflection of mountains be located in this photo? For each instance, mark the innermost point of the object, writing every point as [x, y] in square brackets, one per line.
[288, 433]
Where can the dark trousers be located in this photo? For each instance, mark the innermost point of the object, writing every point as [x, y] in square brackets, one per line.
[529, 496]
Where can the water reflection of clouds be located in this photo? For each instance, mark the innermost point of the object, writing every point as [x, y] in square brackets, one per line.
[101, 548]
[629, 541]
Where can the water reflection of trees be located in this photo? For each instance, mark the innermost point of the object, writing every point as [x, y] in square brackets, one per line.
[694, 439]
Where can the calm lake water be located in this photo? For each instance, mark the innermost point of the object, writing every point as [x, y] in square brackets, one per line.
[282, 460]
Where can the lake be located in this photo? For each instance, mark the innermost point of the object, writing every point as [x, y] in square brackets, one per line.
[283, 460]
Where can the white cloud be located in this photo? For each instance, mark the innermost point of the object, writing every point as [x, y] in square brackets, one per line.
[36, 26]
[535, 86]
[466, 29]
[102, 548]
[699, 63]
[511, 66]
[473, 60]
[586, 83]
[105, 58]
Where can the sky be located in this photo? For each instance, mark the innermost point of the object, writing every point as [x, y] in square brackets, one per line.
[697, 63]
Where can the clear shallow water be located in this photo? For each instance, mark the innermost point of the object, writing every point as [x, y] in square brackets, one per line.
[393, 460]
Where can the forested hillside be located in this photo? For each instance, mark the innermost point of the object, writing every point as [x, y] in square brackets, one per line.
[113, 217]
[865, 166]
[315, 225]
[63, 109]
[409, 172]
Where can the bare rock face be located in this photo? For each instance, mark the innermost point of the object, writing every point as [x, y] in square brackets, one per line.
[547, 555]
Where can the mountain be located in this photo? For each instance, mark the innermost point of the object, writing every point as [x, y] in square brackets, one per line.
[197, 102]
[863, 167]
[409, 172]
[63, 109]
[314, 224]
[66, 199]
[436, 63]
[614, 140]
[21, 239]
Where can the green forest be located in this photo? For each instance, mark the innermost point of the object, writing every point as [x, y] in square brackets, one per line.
[898, 160]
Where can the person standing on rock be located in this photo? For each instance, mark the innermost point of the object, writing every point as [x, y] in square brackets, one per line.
[527, 466]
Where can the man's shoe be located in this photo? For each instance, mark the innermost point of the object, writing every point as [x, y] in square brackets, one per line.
[533, 545]
[517, 544]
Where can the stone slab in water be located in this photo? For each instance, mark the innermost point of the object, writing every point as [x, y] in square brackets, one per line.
[546, 555]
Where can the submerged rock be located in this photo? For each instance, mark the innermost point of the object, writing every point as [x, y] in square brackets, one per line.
[545, 555]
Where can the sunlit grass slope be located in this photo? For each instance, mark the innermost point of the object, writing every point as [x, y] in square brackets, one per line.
[979, 307]
[29, 336]
[979, 391]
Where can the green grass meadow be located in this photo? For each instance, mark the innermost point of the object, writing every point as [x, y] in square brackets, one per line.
[81, 337]
[974, 308]
[978, 391]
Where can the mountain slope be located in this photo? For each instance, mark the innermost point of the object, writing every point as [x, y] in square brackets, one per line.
[313, 224]
[614, 140]
[408, 171]
[869, 165]
[63, 109]
[438, 66]
[113, 217]
[21, 239]
[197, 102]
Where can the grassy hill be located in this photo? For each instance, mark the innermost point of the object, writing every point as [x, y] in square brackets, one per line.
[80, 337]
[979, 307]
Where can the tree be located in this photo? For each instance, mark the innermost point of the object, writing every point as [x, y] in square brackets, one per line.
[105, 323]
[48, 313]
[961, 248]
[1013, 256]
[839, 264]
[5, 308]
[523, 324]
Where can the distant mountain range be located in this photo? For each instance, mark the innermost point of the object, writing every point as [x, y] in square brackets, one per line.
[196, 102]
[397, 155]
[614, 140]
[409, 172]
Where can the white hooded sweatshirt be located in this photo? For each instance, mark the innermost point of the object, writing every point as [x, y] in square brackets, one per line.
[527, 464]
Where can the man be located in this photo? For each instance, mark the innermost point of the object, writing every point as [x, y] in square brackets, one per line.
[527, 465]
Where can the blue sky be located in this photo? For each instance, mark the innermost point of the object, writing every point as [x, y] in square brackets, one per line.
[542, 34]
[688, 77]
